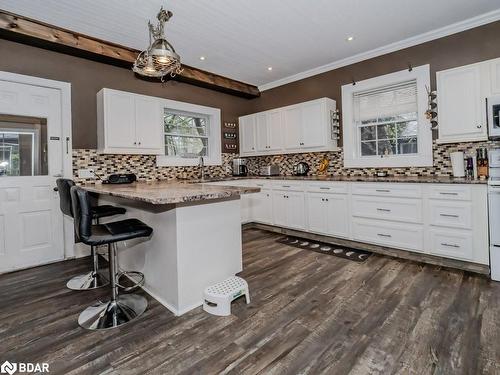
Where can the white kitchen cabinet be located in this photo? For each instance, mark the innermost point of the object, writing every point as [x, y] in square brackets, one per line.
[248, 140]
[269, 132]
[462, 104]
[262, 206]
[328, 214]
[495, 76]
[128, 123]
[304, 127]
[289, 209]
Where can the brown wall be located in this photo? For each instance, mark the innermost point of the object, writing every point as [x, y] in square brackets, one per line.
[468, 47]
[88, 77]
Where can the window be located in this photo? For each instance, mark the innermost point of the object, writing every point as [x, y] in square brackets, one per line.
[384, 123]
[186, 134]
[190, 131]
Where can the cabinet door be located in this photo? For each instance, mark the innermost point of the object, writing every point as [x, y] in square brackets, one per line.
[149, 124]
[245, 208]
[262, 206]
[495, 76]
[247, 134]
[314, 126]
[274, 131]
[296, 210]
[261, 131]
[280, 204]
[316, 213]
[460, 105]
[292, 122]
[338, 217]
[119, 114]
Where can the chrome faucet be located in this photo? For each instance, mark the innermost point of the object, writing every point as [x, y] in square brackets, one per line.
[201, 164]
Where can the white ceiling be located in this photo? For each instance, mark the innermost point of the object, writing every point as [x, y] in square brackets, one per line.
[241, 38]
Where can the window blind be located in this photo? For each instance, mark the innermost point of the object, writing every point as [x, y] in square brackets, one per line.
[386, 102]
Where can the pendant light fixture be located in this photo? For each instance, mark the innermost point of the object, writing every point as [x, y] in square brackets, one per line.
[160, 59]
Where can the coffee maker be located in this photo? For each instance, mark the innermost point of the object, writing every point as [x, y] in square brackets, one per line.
[240, 167]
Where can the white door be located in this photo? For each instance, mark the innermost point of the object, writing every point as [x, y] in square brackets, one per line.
[247, 134]
[292, 122]
[120, 119]
[274, 131]
[316, 213]
[296, 210]
[31, 157]
[280, 204]
[149, 124]
[460, 105]
[313, 125]
[261, 131]
[337, 215]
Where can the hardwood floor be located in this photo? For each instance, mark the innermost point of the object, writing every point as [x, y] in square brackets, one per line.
[310, 314]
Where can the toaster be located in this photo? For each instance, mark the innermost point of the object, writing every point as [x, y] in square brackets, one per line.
[269, 170]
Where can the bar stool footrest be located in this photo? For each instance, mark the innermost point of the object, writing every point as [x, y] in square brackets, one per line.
[137, 278]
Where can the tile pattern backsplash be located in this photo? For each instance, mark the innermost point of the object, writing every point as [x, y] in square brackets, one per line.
[144, 166]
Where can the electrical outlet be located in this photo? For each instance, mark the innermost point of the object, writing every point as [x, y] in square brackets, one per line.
[86, 173]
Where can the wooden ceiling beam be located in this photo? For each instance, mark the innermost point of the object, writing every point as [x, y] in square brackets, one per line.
[28, 31]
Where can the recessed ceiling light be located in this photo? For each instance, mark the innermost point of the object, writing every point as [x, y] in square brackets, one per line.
[202, 58]
[350, 38]
[269, 68]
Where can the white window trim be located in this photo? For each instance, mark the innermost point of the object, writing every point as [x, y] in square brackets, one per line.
[352, 158]
[214, 135]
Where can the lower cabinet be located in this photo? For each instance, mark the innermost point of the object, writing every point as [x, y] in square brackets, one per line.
[328, 214]
[447, 220]
[289, 209]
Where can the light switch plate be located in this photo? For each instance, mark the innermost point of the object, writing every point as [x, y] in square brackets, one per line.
[86, 173]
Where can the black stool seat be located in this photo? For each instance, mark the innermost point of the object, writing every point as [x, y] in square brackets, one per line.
[117, 231]
[106, 210]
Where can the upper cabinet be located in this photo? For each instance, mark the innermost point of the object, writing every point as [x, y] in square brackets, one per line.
[303, 127]
[462, 94]
[129, 123]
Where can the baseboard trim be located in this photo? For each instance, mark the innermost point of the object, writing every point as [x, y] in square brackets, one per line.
[383, 250]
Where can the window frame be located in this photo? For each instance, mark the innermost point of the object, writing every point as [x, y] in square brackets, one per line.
[351, 142]
[213, 116]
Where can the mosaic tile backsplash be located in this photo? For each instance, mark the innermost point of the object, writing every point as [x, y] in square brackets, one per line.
[144, 166]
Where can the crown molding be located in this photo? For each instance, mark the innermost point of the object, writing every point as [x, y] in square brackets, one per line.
[454, 28]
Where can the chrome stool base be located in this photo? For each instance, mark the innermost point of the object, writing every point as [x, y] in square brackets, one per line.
[111, 314]
[88, 281]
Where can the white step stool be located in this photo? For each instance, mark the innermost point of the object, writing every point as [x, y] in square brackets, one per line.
[217, 298]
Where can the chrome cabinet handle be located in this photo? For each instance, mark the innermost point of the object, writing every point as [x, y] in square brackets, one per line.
[285, 186]
[384, 235]
[449, 245]
[444, 193]
[479, 126]
[382, 191]
[324, 188]
[383, 209]
[448, 215]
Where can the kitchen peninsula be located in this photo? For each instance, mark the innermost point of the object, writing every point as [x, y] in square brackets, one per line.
[196, 240]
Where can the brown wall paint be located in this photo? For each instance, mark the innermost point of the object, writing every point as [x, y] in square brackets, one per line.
[464, 48]
[88, 77]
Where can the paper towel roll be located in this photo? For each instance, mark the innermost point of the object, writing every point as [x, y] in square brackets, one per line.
[457, 163]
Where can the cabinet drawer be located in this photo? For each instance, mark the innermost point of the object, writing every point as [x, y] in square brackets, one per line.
[396, 209]
[262, 184]
[328, 187]
[288, 185]
[389, 190]
[450, 214]
[404, 236]
[451, 243]
[450, 192]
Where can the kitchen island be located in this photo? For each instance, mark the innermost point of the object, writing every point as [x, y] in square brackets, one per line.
[196, 239]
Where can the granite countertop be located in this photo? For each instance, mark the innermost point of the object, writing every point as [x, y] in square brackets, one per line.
[400, 179]
[169, 192]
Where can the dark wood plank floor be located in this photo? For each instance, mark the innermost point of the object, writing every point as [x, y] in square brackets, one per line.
[310, 314]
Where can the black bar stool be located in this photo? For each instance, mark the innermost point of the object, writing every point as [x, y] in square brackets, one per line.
[120, 309]
[92, 279]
